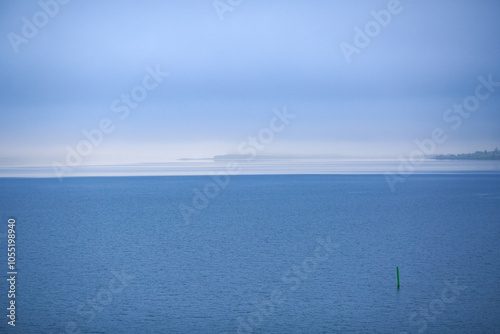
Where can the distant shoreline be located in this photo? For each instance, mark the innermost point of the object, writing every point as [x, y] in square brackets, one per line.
[478, 155]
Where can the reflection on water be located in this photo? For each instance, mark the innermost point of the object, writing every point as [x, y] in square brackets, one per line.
[297, 166]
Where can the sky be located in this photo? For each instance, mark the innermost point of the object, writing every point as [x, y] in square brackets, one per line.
[156, 81]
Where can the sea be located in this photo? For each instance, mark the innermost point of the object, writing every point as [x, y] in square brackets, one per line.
[307, 253]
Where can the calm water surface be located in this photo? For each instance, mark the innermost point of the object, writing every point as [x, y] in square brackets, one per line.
[272, 254]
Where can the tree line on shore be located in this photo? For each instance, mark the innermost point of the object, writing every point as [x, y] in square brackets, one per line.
[478, 155]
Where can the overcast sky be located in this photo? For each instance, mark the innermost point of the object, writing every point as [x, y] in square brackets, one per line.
[228, 71]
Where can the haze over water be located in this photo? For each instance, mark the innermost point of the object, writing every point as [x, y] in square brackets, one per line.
[262, 166]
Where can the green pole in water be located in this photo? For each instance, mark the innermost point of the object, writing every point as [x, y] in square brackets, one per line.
[397, 271]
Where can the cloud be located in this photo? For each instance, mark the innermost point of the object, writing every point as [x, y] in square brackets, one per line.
[227, 76]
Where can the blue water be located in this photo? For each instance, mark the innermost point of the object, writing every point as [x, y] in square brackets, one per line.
[272, 254]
